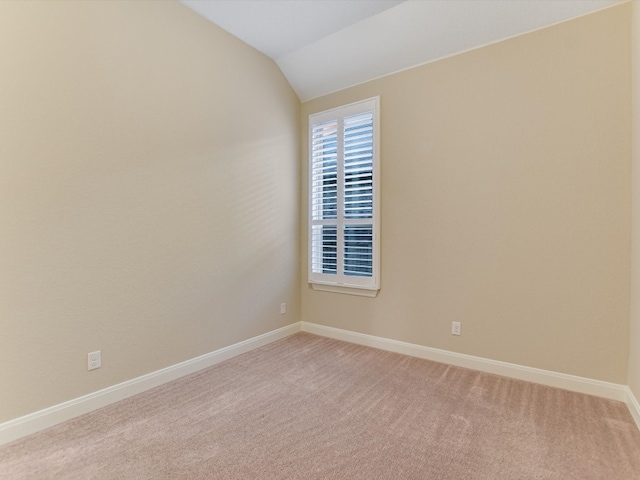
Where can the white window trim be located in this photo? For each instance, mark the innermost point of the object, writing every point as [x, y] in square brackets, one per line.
[370, 286]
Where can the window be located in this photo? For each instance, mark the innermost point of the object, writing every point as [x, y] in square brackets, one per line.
[344, 212]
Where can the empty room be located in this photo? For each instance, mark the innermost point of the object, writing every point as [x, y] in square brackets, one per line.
[320, 239]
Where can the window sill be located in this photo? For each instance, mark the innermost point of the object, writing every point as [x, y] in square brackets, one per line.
[359, 291]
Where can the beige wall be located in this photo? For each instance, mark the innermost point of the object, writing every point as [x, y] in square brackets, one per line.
[505, 202]
[149, 177]
[634, 331]
[149, 186]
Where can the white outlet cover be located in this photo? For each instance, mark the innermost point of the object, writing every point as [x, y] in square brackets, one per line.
[94, 360]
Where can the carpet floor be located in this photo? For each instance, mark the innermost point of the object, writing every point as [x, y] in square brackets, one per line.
[308, 407]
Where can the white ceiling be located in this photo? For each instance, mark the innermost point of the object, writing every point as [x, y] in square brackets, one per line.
[323, 46]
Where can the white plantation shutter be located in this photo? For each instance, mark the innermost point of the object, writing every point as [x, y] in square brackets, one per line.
[343, 197]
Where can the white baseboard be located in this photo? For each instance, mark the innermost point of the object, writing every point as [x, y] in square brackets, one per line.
[574, 383]
[37, 421]
[34, 422]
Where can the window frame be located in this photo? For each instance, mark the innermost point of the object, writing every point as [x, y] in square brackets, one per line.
[339, 282]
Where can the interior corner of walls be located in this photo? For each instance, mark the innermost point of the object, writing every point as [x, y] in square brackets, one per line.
[634, 317]
[633, 405]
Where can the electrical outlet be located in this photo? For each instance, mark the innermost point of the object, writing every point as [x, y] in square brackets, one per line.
[456, 328]
[283, 308]
[94, 360]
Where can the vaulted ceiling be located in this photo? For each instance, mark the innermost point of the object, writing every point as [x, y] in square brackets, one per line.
[323, 46]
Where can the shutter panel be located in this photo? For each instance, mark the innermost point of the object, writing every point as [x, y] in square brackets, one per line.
[358, 194]
[324, 249]
[324, 171]
[358, 166]
[324, 197]
[358, 250]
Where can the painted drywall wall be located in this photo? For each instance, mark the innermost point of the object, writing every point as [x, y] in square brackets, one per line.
[505, 202]
[634, 330]
[149, 177]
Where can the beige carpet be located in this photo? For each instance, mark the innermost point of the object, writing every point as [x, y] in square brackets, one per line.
[312, 408]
